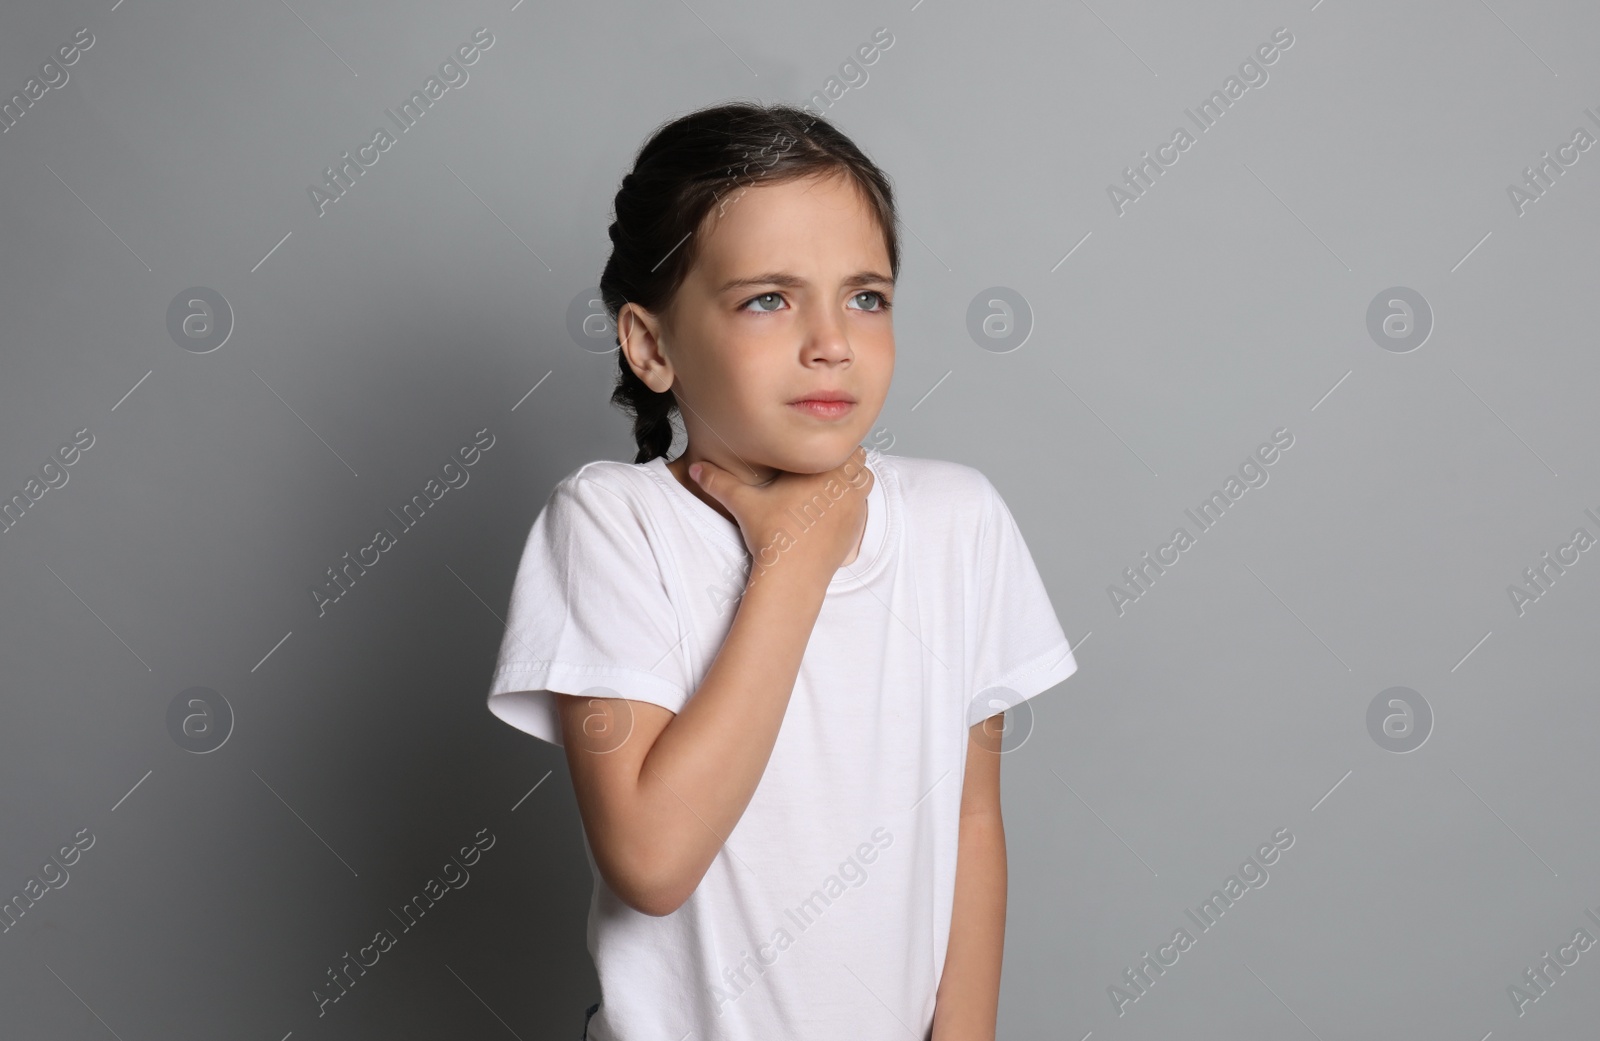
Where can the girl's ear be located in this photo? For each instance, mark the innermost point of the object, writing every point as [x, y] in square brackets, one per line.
[640, 334]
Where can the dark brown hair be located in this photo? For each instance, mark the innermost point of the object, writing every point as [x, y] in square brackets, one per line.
[683, 170]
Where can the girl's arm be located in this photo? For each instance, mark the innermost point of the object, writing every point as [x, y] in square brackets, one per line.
[659, 793]
[658, 806]
[968, 999]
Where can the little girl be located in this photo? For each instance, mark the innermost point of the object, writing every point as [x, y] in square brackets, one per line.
[779, 663]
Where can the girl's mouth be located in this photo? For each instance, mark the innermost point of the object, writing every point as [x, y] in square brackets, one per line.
[824, 409]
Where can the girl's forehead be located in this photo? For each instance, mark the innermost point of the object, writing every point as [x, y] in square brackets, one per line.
[794, 205]
[790, 225]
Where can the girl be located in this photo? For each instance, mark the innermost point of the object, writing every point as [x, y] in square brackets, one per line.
[779, 663]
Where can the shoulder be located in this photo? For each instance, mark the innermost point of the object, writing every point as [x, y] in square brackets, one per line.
[936, 482]
[939, 493]
[607, 478]
[603, 489]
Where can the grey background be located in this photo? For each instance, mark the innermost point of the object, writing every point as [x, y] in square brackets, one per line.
[1230, 301]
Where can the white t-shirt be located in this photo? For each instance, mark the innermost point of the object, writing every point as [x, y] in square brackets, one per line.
[826, 914]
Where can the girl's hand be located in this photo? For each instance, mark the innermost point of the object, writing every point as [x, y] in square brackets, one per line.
[770, 516]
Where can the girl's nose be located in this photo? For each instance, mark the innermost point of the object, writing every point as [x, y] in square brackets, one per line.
[826, 339]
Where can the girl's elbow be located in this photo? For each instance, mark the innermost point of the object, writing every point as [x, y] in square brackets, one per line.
[657, 899]
[648, 886]
[659, 905]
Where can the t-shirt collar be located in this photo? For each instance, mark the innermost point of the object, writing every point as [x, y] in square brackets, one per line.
[872, 540]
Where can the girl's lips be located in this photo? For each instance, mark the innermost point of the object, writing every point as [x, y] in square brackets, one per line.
[824, 409]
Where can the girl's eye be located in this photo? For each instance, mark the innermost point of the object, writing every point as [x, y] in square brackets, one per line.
[763, 296]
[883, 301]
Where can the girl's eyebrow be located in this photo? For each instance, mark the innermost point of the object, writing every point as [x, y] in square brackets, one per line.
[792, 281]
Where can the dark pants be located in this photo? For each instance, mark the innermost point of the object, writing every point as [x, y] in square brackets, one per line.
[588, 1016]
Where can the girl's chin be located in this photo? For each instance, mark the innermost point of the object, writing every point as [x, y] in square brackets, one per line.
[818, 462]
[813, 451]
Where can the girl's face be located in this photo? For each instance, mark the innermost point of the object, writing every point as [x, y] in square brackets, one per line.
[788, 297]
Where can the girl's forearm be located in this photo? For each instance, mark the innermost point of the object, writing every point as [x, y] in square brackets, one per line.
[702, 770]
[968, 999]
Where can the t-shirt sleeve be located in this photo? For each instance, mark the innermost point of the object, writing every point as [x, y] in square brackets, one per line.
[589, 608]
[1020, 649]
